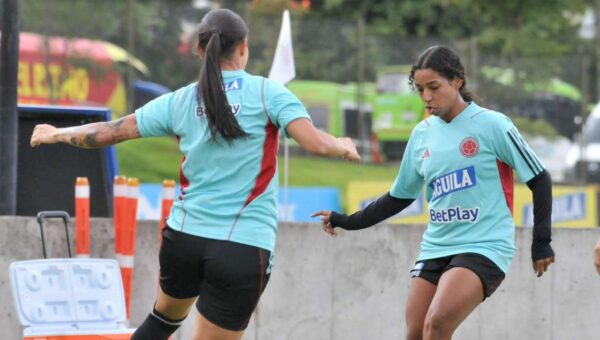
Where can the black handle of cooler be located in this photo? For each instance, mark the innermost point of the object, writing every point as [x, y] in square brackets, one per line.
[44, 215]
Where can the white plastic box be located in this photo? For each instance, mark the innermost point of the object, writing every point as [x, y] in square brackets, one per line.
[75, 298]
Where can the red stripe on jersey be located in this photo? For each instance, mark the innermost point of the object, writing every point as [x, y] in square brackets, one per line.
[183, 184]
[183, 181]
[269, 162]
[267, 169]
[508, 183]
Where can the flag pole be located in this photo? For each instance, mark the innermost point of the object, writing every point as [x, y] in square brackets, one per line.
[283, 71]
[286, 168]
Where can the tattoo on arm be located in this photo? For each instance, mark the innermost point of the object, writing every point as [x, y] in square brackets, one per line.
[90, 140]
[74, 141]
[97, 135]
[118, 131]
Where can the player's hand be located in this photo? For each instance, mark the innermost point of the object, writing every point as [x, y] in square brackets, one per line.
[541, 266]
[351, 152]
[325, 221]
[597, 257]
[43, 134]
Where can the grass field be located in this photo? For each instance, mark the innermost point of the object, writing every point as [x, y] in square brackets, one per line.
[155, 159]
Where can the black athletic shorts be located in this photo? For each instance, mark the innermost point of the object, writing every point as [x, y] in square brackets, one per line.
[228, 277]
[489, 273]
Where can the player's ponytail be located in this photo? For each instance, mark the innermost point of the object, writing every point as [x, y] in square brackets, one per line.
[221, 31]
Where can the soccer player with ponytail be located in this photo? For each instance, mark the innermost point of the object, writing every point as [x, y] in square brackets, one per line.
[220, 235]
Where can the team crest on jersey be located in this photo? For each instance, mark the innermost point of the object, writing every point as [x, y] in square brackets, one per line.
[469, 147]
[456, 180]
[235, 84]
[235, 109]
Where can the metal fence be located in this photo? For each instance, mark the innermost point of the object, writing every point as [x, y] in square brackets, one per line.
[550, 94]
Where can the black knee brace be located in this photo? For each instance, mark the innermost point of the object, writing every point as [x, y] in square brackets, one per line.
[156, 327]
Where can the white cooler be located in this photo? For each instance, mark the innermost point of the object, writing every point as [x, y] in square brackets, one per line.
[73, 298]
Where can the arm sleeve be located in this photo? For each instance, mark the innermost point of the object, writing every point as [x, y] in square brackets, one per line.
[155, 118]
[384, 207]
[283, 106]
[541, 188]
[514, 151]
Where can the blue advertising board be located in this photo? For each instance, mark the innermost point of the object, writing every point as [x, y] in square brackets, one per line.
[301, 202]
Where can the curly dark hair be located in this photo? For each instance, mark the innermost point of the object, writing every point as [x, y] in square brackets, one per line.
[444, 61]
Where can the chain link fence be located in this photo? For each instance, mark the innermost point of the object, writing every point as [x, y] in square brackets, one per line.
[547, 96]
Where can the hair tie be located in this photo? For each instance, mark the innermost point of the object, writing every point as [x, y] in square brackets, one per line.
[216, 31]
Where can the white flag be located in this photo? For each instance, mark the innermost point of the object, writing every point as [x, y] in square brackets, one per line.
[283, 69]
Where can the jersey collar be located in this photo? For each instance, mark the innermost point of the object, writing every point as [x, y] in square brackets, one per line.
[471, 109]
[232, 74]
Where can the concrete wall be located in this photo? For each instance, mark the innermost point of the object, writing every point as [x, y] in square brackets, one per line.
[353, 286]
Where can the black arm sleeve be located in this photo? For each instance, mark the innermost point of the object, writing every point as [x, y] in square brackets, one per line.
[541, 187]
[384, 207]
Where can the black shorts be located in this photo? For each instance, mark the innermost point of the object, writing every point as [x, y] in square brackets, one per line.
[488, 272]
[228, 277]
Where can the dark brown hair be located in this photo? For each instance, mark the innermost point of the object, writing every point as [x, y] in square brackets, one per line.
[444, 61]
[220, 32]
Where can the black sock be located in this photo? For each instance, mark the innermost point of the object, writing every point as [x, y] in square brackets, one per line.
[156, 327]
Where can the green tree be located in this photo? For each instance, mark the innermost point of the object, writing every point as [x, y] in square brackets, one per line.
[157, 29]
[102, 20]
[533, 34]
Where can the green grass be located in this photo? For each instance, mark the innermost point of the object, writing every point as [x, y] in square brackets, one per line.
[313, 171]
[149, 159]
[155, 159]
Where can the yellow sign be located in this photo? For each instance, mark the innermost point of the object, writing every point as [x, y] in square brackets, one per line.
[571, 206]
[36, 81]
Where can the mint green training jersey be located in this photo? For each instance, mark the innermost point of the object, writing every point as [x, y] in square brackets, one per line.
[467, 168]
[228, 191]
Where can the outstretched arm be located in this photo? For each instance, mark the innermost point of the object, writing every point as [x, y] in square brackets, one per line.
[384, 207]
[88, 136]
[321, 143]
